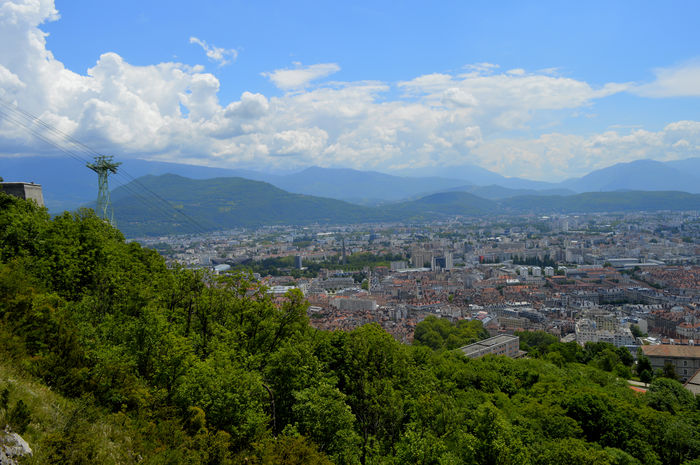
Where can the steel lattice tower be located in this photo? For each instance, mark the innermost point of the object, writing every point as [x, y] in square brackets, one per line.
[103, 166]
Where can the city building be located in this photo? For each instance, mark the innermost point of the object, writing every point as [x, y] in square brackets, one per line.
[502, 344]
[354, 304]
[24, 190]
[684, 358]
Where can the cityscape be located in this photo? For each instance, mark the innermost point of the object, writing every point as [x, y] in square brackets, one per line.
[631, 280]
[349, 233]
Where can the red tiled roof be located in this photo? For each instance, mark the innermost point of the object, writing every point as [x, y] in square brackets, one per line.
[664, 350]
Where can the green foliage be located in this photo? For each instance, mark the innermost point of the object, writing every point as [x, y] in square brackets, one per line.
[322, 414]
[669, 371]
[288, 450]
[536, 342]
[153, 365]
[438, 333]
[646, 376]
[669, 395]
[636, 332]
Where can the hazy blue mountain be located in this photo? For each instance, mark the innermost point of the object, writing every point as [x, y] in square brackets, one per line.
[647, 175]
[462, 203]
[443, 204]
[192, 205]
[478, 176]
[169, 204]
[360, 186]
[592, 202]
[689, 165]
[68, 184]
[495, 192]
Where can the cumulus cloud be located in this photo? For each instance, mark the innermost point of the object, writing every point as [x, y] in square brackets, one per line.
[299, 77]
[222, 56]
[172, 112]
[678, 81]
[568, 155]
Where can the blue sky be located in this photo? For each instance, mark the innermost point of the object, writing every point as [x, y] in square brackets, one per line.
[544, 90]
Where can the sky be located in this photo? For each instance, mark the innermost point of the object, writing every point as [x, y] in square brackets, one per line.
[539, 90]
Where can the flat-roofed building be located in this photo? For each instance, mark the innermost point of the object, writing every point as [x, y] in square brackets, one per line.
[684, 358]
[354, 304]
[24, 190]
[502, 344]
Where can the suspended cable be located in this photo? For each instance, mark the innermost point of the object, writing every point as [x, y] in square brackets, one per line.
[29, 121]
[83, 161]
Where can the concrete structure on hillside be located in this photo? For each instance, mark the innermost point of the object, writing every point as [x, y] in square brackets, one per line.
[503, 344]
[354, 304]
[685, 359]
[24, 190]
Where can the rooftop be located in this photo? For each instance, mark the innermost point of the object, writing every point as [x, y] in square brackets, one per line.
[490, 342]
[664, 350]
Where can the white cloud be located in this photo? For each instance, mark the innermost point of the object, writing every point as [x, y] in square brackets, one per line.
[171, 111]
[678, 81]
[566, 155]
[222, 56]
[299, 77]
[481, 68]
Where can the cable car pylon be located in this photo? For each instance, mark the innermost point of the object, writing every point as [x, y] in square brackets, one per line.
[103, 166]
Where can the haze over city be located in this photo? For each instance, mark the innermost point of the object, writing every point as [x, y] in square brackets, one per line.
[545, 91]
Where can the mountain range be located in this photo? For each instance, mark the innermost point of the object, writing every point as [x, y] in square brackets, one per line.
[171, 204]
[68, 185]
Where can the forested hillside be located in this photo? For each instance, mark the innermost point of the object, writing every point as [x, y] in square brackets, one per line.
[109, 357]
[192, 206]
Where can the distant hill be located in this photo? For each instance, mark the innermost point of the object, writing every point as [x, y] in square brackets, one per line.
[478, 176]
[443, 204]
[495, 192]
[68, 184]
[360, 186]
[223, 203]
[462, 203]
[592, 202]
[648, 175]
[689, 165]
[227, 203]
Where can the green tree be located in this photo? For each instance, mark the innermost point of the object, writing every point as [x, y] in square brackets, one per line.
[439, 333]
[535, 342]
[322, 414]
[670, 371]
[669, 395]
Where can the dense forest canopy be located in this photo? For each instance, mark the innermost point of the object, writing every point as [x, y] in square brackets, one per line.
[108, 356]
